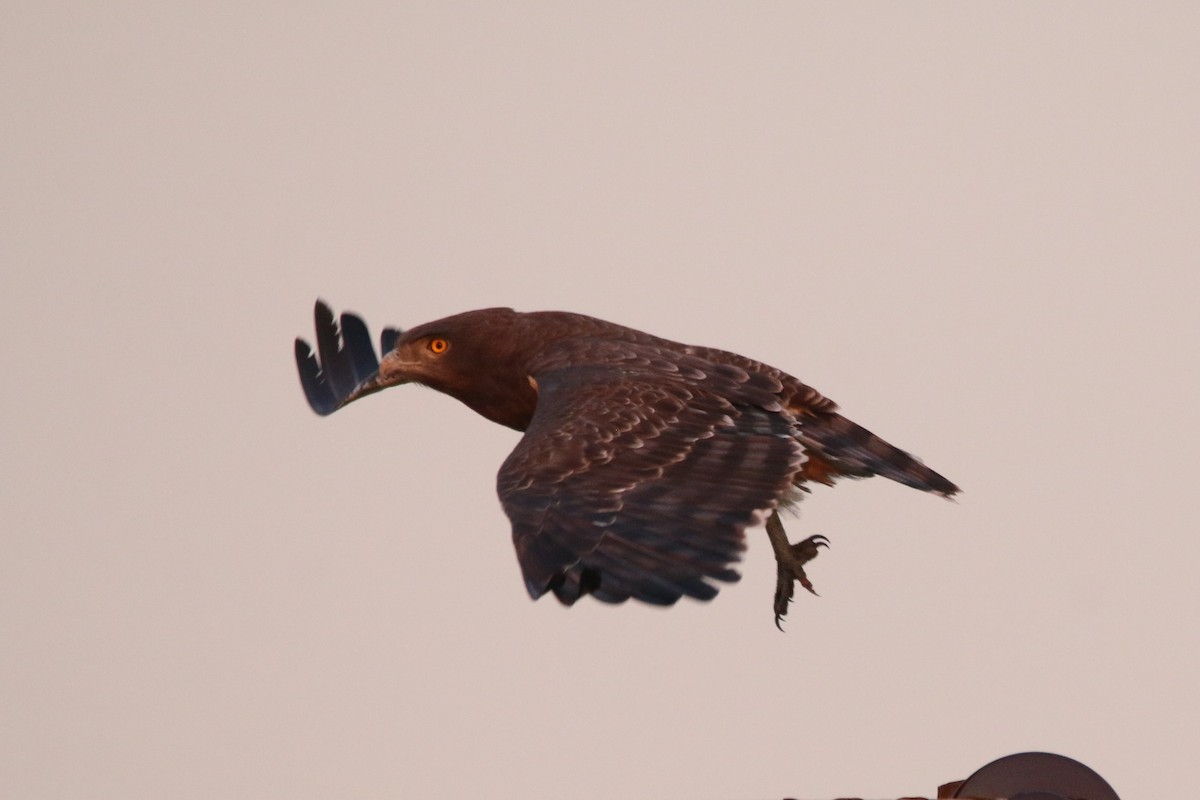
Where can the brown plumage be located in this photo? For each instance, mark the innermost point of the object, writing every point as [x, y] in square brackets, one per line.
[643, 459]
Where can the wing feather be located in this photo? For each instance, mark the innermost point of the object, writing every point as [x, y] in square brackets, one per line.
[635, 480]
[345, 366]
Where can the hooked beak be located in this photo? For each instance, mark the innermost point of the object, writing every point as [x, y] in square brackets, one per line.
[393, 371]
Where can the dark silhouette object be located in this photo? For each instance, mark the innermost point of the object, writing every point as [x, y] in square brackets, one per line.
[643, 459]
[1032, 776]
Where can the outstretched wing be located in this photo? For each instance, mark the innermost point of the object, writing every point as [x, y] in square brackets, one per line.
[348, 365]
[638, 481]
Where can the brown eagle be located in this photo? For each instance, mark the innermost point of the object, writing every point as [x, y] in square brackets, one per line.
[643, 460]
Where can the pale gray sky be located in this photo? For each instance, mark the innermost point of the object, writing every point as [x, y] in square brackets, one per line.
[974, 226]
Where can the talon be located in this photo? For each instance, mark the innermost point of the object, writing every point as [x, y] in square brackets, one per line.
[790, 560]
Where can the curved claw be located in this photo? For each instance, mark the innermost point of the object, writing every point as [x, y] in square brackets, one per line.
[791, 559]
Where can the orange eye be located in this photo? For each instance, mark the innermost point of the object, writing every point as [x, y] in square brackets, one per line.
[438, 346]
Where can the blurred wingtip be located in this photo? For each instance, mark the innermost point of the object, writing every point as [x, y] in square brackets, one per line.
[342, 366]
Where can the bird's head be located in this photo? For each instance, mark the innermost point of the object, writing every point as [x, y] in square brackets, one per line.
[484, 358]
[450, 353]
[473, 357]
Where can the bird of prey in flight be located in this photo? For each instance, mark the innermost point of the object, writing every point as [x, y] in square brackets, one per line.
[643, 460]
